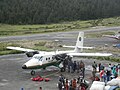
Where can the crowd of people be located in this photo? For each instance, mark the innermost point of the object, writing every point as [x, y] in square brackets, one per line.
[105, 76]
[72, 66]
[73, 84]
[106, 72]
[100, 72]
[78, 83]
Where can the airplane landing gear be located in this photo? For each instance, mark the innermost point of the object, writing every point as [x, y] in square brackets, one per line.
[44, 68]
[32, 73]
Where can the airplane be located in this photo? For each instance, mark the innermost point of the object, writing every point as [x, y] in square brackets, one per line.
[43, 59]
[116, 45]
[116, 36]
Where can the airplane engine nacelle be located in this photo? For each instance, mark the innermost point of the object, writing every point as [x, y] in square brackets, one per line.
[60, 57]
[31, 54]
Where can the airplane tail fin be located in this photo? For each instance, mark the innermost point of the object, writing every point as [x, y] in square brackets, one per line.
[79, 43]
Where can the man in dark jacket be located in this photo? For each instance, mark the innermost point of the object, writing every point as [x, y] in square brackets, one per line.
[74, 66]
[60, 85]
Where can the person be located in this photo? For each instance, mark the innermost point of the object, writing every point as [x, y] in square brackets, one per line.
[110, 66]
[102, 67]
[82, 86]
[101, 75]
[66, 85]
[104, 76]
[114, 72]
[64, 65]
[61, 66]
[60, 84]
[108, 74]
[70, 85]
[70, 65]
[80, 78]
[118, 70]
[94, 74]
[82, 67]
[62, 79]
[65, 62]
[74, 66]
[40, 88]
[77, 67]
[99, 65]
[94, 66]
[74, 84]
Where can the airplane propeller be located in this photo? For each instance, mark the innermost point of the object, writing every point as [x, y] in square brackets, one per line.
[61, 57]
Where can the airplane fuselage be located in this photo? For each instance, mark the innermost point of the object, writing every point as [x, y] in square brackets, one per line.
[39, 61]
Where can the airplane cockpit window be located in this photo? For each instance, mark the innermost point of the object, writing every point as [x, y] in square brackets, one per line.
[38, 57]
[41, 58]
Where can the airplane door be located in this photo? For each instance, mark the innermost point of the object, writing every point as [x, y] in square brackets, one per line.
[40, 62]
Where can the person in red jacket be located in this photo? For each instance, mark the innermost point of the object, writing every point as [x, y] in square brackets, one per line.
[66, 85]
[101, 75]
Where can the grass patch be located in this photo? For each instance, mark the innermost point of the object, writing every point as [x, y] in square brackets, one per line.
[10, 30]
[4, 50]
[99, 34]
[31, 44]
[113, 59]
[9, 52]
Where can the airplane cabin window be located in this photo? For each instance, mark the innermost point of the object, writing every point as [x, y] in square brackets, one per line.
[53, 57]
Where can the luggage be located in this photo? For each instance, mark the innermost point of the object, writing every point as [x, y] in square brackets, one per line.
[39, 78]
[100, 85]
[47, 79]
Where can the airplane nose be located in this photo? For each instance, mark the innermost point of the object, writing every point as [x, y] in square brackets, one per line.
[24, 67]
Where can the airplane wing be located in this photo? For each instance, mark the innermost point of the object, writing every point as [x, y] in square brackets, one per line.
[20, 49]
[89, 54]
[24, 49]
[72, 53]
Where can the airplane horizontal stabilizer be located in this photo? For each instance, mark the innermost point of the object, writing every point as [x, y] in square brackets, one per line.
[78, 47]
[86, 47]
[68, 46]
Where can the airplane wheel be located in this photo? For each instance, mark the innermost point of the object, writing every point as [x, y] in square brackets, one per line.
[32, 72]
[44, 68]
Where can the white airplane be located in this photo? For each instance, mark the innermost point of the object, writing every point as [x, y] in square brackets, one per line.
[116, 36]
[43, 59]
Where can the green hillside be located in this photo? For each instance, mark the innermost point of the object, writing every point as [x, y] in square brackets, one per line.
[10, 30]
